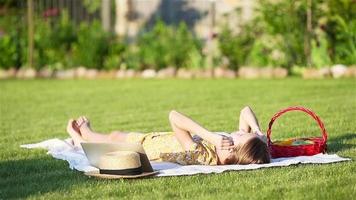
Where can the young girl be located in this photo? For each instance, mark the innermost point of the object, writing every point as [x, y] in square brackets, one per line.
[189, 143]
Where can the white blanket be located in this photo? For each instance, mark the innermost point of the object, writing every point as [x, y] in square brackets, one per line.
[62, 149]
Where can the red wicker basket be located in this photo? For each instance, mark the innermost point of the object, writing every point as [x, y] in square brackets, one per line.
[309, 146]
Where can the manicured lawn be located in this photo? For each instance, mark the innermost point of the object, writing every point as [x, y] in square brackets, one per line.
[35, 110]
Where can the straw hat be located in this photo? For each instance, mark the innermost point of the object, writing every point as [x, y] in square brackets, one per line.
[120, 164]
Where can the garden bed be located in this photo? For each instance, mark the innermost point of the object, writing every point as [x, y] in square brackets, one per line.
[337, 71]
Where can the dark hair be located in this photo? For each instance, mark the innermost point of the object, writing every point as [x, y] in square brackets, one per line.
[254, 151]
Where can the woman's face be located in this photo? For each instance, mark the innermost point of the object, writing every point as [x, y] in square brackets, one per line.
[240, 137]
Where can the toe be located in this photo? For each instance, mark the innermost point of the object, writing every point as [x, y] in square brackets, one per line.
[70, 121]
[79, 121]
[85, 119]
[70, 125]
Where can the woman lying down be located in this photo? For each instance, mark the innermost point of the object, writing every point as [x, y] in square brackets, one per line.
[189, 143]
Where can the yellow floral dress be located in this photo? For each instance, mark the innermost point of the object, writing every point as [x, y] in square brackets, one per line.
[163, 146]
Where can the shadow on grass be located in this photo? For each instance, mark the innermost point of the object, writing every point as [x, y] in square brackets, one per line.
[27, 177]
[339, 143]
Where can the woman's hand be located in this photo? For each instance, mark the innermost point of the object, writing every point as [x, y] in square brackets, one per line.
[225, 143]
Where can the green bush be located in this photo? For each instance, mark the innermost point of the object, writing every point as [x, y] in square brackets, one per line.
[154, 47]
[91, 46]
[340, 27]
[132, 59]
[235, 47]
[11, 42]
[9, 51]
[186, 49]
[44, 53]
[276, 36]
[194, 59]
[116, 54]
[53, 39]
[282, 28]
[319, 51]
[165, 46]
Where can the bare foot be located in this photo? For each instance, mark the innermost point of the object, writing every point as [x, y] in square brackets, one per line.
[77, 139]
[76, 127]
[84, 127]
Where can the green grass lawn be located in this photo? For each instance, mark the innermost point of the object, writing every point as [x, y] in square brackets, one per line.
[35, 110]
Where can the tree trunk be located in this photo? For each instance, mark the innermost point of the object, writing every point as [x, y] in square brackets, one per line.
[121, 19]
[308, 35]
[106, 14]
[30, 32]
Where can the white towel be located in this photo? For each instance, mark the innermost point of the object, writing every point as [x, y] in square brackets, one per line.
[64, 150]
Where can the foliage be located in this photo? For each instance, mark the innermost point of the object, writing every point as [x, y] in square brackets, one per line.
[53, 39]
[278, 35]
[154, 47]
[9, 48]
[58, 44]
[132, 60]
[282, 29]
[235, 47]
[91, 5]
[269, 39]
[340, 26]
[8, 4]
[116, 53]
[194, 60]
[275, 36]
[91, 46]
[186, 48]
[320, 54]
[11, 42]
[168, 46]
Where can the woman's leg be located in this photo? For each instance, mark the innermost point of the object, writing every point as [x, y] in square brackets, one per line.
[91, 136]
[74, 134]
[248, 120]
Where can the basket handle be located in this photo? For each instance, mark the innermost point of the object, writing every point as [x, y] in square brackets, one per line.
[296, 108]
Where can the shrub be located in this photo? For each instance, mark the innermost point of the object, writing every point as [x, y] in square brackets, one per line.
[168, 46]
[53, 40]
[154, 47]
[10, 55]
[274, 37]
[91, 46]
[186, 49]
[277, 35]
[116, 54]
[11, 42]
[319, 51]
[194, 59]
[132, 58]
[341, 29]
[280, 36]
[235, 47]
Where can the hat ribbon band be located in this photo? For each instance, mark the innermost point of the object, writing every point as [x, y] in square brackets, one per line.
[132, 171]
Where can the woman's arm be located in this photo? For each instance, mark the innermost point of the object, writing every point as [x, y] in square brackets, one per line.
[183, 126]
[248, 121]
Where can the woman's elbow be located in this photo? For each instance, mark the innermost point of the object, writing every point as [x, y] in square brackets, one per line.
[172, 115]
[246, 109]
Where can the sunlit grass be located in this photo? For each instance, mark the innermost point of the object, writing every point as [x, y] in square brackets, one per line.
[35, 110]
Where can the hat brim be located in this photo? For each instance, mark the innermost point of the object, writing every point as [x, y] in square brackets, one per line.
[94, 151]
[111, 176]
